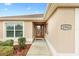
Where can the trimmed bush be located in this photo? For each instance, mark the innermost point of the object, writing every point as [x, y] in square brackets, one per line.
[1, 42]
[7, 43]
[21, 42]
[6, 50]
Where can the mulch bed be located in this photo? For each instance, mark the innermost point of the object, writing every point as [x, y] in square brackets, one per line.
[22, 52]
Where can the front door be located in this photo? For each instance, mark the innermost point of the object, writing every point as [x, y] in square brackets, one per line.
[39, 31]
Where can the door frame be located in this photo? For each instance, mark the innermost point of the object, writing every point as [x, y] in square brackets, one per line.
[38, 23]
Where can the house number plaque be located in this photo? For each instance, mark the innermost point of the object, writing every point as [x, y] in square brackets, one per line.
[66, 27]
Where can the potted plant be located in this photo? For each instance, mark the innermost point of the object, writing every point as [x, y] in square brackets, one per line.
[21, 42]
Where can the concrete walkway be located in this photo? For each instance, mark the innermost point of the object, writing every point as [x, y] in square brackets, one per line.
[39, 48]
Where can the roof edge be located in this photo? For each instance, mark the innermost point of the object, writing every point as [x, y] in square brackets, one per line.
[53, 7]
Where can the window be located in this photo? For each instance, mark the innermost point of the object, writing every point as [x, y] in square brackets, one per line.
[18, 30]
[14, 30]
[9, 30]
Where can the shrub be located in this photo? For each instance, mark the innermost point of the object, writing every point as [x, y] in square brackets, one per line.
[6, 50]
[21, 42]
[1, 42]
[7, 43]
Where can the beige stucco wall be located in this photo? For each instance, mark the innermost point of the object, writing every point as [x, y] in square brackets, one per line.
[1, 30]
[52, 7]
[28, 30]
[62, 41]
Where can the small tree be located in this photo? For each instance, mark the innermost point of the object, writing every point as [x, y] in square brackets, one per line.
[21, 42]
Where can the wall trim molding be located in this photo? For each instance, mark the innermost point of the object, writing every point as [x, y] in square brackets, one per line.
[77, 31]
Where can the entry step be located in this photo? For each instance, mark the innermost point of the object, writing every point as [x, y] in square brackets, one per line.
[39, 38]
